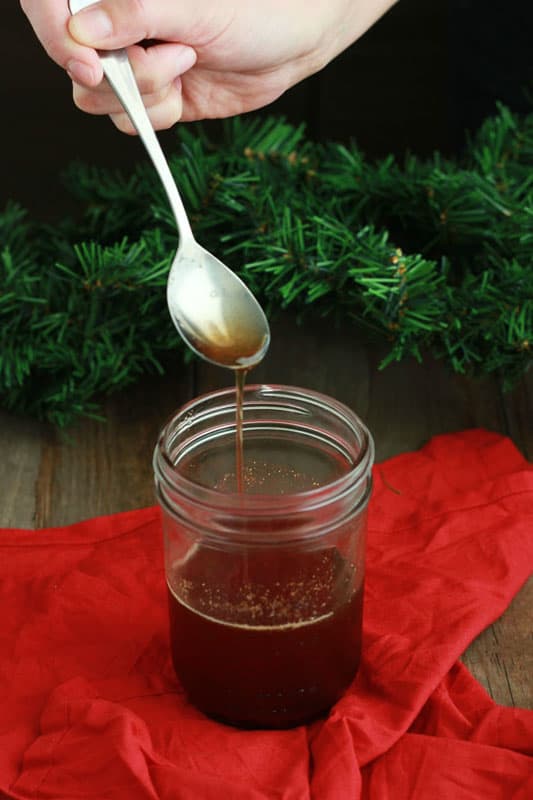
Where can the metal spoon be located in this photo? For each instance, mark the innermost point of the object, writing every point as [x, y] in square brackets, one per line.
[213, 310]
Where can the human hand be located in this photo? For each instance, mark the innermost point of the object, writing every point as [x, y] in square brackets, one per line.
[213, 58]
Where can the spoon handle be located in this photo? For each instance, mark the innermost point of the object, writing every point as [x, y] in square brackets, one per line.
[118, 71]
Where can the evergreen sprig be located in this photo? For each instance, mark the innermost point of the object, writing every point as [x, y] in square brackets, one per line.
[429, 254]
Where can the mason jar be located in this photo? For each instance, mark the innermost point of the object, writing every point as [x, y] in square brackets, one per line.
[265, 581]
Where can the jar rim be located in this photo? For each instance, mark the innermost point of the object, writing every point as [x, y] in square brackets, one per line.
[247, 504]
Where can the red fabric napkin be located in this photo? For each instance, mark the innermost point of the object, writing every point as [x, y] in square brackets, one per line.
[90, 707]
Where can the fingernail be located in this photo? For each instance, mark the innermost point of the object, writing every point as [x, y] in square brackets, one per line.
[81, 73]
[91, 25]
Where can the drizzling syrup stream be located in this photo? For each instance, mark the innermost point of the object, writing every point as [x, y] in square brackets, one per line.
[240, 378]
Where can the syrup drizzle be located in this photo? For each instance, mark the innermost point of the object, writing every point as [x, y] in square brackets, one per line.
[240, 379]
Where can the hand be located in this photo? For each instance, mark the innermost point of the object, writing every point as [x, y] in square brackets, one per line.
[215, 58]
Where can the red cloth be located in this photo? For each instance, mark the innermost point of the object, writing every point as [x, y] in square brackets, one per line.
[90, 707]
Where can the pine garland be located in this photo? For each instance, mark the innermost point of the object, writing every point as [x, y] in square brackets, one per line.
[432, 255]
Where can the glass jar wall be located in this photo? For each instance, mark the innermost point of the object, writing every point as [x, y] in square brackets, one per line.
[265, 585]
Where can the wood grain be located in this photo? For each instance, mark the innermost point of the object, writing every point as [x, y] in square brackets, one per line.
[20, 446]
[403, 404]
[501, 658]
[518, 410]
[105, 467]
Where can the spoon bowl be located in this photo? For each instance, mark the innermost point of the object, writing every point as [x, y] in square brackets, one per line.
[214, 311]
[212, 308]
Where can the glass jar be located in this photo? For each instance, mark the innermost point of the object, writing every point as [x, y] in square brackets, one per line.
[265, 585]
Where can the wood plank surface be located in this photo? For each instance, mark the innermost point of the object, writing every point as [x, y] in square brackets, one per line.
[518, 410]
[501, 658]
[99, 467]
[403, 404]
[54, 478]
[21, 442]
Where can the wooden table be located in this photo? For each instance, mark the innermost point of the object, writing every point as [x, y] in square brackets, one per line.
[51, 477]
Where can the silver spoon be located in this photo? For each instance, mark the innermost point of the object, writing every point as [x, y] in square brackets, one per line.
[213, 310]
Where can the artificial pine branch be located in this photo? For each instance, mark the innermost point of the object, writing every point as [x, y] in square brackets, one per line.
[429, 254]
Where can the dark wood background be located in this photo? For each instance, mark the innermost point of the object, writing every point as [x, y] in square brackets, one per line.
[421, 76]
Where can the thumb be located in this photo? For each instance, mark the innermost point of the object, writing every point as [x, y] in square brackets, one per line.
[111, 24]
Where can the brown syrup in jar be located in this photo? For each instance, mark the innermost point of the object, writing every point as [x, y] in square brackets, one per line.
[239, 667]
[263, 637]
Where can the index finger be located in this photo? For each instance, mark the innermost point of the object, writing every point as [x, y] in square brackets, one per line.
[49, 20]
